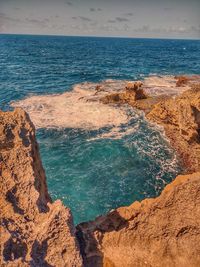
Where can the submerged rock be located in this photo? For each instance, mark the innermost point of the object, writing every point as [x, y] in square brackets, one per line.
[34, 230]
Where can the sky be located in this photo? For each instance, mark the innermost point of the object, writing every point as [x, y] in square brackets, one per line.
[123, 18]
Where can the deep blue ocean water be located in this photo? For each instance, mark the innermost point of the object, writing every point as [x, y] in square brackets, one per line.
[92, 177]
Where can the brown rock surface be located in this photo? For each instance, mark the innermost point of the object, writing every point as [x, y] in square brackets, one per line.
[164, 231]
[180, 117]
[130, 94]
[176, 107]
[156, 232]
[181, 80]
[34, 231]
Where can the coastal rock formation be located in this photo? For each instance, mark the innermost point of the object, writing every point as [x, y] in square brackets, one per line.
[181, 80]
[130, 94]
[180, 117]
[34, 230]
[164, 231]
[177, 110]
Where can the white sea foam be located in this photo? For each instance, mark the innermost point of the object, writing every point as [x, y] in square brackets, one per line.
[162, 85]
[81, 108]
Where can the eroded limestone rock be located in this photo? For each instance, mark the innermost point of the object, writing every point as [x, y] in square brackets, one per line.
[180, 117]
[164, 231]
[133, 91]
[34, 230]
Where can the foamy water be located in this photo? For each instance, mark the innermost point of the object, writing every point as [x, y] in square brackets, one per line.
[163, 85]
[81, 108]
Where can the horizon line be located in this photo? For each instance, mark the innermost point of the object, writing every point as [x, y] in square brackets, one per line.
[99, 36]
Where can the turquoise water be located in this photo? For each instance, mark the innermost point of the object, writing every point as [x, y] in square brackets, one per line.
[93, 175]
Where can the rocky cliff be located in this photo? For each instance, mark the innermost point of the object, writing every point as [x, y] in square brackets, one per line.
[34, 230]
[164, 231]
[180, 117]
[155, 232]
[177, 113]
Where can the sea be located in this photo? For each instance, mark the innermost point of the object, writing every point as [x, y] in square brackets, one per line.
[97, 157]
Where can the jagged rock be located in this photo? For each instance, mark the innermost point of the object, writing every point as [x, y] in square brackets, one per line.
[34, 230]
[180, 118]
[181, 80]
[111, 98]
[130, 94]
[164, 231]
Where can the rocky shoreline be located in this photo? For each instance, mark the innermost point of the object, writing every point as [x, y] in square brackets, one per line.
[178, 114]
[163, 231]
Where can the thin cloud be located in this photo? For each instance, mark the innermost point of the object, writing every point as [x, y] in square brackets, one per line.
[130, 14]
[168, 30]
[144, 29]
[118, 19]
[121, 19]
[4, 17]
[85, 18]
[69, 3]
[195, 29]
[111, 21]
[95, 9]
[40, 22]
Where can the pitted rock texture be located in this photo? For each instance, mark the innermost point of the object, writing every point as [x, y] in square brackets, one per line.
[178, 112]
[164, 231]
[130, 94]
[34, 231]
[180, 117]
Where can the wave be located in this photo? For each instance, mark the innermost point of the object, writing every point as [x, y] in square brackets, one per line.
[81, 108]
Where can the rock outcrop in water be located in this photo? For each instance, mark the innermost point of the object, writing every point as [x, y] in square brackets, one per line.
[34, 231]
[164, 231]
[178, 113]
[132, 93]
